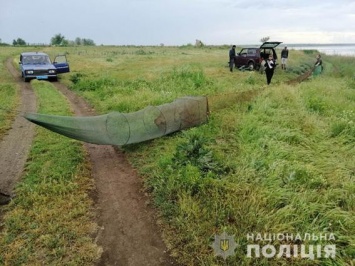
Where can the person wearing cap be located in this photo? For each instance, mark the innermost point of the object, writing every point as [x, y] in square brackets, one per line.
[284, 56]
[231, 58]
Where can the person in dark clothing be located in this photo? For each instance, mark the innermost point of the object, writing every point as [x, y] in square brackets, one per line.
[284, 56]
[269, 69]
[319, 61]
[231, 58]
[318, 67]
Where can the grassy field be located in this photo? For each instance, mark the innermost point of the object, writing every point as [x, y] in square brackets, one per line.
[273, 159]
[50, 221]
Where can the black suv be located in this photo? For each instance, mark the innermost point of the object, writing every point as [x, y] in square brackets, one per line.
[252, 57]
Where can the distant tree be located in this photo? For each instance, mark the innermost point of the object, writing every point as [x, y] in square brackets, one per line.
[64, 42]
[77, 41]
[265, 39]
[58, 39]
[83, 41]
[88, 42]
[19, 41]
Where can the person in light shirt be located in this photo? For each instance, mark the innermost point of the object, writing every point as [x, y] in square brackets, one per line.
[284, 56]
[269, 68]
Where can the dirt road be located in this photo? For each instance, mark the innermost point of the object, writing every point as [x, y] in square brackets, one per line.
[129, 234]
[16, 143]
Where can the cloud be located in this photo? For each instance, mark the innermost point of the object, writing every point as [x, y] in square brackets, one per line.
[152, 22]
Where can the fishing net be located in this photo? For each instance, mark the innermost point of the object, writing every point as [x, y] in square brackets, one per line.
[317, 70]
[126, 128]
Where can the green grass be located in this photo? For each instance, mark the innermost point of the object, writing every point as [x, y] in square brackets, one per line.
[50, 220]
[9, 96]
[271, 159]
[285, 171]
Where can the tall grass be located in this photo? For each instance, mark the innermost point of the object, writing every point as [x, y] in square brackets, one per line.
[288, 167]
[267, 163]
[9, 96]
[285, 171]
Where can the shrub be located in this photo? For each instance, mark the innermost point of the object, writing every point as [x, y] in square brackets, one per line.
[316, 104]
[194, 152]
[75, 78]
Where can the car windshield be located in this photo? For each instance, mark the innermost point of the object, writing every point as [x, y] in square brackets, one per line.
[36, 59]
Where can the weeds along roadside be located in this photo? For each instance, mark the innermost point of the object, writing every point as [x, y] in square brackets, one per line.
[9, 93]
[50, 220]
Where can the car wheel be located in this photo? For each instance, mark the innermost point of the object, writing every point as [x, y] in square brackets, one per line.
[251, 66]
[26, 79]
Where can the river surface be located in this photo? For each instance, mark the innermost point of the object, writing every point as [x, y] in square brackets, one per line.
[329, 49]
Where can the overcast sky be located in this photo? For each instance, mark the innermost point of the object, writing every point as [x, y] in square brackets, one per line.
[179, 22]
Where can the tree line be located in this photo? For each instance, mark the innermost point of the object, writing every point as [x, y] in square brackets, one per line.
[57, 40]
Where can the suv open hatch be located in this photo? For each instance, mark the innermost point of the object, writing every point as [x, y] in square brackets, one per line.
[251, 57]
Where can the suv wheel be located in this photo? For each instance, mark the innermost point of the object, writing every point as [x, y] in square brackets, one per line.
[251, 66]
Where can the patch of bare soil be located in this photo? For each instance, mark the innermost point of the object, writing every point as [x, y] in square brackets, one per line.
[129, 234]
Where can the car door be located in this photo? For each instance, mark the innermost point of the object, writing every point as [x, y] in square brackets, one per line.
[241, 58]
[61, 64]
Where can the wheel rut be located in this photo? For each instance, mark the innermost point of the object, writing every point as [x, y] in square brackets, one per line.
[128, 234]
[15, 145]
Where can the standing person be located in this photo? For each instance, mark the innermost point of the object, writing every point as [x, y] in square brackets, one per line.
[318, 67]
[269, 69]
[284, 56]
[231, 58]
[319, 61]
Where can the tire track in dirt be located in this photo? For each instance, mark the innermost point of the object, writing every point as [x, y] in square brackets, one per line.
[15, 145]
[129, 234]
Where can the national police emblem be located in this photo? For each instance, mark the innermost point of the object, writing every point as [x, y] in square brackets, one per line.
[224, 245]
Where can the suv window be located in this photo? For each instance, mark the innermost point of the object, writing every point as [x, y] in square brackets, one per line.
[251, 51]
[244, 52]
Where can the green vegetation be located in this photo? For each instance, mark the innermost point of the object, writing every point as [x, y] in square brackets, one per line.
[276, 159]
[60, 40]
[50, 221]
[9, 96]
[19, 42]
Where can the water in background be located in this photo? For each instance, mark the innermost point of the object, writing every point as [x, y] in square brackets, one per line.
[329, 49]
